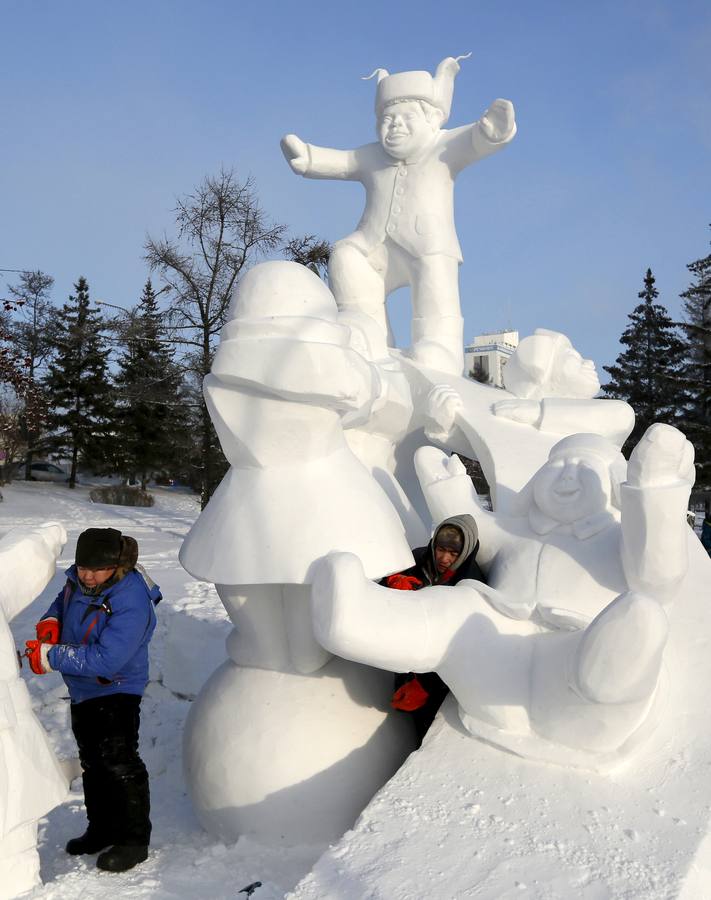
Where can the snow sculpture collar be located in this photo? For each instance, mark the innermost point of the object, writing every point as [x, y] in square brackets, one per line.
[582, 528]
[419, 85]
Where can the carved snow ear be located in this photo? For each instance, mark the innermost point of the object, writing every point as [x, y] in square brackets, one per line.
[527, 370]
[444, 83]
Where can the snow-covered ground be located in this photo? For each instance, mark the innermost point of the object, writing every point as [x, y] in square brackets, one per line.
[459, 820]
[188, 645]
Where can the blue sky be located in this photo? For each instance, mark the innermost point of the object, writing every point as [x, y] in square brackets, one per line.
[109, 111]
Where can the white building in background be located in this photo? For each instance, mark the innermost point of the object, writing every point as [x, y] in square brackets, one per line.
[488, 353]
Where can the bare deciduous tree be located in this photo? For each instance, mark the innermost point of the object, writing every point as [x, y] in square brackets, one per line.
[222, 230]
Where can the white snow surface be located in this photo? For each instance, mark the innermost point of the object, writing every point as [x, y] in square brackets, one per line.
[188, 645]
[459, 820]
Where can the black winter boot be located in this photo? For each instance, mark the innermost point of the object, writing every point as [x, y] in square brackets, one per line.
[90, 842]
[122, 857]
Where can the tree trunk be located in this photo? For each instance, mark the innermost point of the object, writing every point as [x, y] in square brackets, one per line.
[73, 473]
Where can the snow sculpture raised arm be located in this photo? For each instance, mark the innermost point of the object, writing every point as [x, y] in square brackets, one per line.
[577, 697]
[406, 235]
[31, 782]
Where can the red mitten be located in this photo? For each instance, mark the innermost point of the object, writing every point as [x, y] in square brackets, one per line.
[410, 696]
[48, 631]
[36, 653]
[403, 582]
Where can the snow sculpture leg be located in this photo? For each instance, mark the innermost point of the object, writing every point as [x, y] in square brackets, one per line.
[31, 782]
[359, 288]
[437, 323]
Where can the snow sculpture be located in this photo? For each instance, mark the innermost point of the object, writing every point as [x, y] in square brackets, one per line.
[550, 394]
[557, 386]
[270, 749]
[31, 781]
[374, 440]
[571, 559]
[406, 235]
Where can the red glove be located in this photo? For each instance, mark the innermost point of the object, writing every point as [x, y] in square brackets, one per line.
[48, 631]
[36, 653]
[410, 696]
[403, 582]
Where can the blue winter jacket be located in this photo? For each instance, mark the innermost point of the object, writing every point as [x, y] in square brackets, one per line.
[104, 639]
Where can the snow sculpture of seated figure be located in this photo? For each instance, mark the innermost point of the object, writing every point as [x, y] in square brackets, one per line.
[271, 749]
[583, 697]
[407, 235]
[31, 782]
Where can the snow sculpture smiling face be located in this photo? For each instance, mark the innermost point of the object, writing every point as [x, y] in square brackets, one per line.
[581, 479]
[571, 487]
[406, 127]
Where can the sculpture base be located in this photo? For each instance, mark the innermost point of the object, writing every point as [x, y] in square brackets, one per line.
[291, 759]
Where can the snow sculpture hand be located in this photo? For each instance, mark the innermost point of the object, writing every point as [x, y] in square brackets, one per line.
[662, 456]
[443, 404]
[447, 487]
[526, 412]
[296, 153]
[498, 122]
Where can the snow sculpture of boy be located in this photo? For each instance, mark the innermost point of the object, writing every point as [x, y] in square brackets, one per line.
[262, 741]
[406, 235]
[578, 697]
[31, 782]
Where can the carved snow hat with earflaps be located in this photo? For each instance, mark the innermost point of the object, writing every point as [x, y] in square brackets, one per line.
[419, 85]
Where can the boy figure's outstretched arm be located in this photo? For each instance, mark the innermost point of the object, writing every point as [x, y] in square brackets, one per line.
[489, 134]
[320, 162]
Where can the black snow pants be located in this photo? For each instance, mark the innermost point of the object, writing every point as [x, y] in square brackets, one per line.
[115, 778]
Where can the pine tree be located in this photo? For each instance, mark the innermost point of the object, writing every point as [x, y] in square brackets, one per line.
[78, 386]
[647, 373]
[33, 333]
[150, 413]
[696, 417]
[22, 402]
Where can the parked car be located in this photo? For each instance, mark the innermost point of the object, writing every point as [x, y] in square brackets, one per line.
[44, 471]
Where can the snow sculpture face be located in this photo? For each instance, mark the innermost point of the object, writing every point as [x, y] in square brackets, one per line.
[404, 128]
[580, 479]
[571, 375]
[572, 486]
[546, 364]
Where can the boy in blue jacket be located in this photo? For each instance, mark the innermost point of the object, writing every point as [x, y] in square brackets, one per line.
[96, 634]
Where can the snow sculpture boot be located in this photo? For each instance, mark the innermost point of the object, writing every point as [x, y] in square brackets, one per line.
[438, 343]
